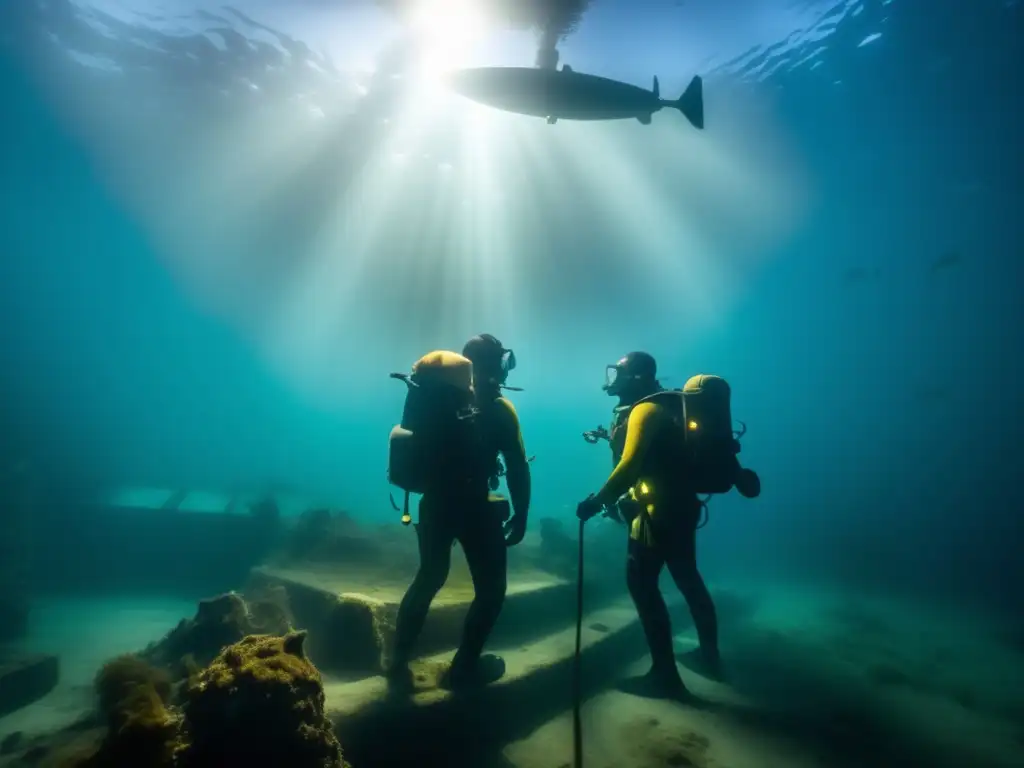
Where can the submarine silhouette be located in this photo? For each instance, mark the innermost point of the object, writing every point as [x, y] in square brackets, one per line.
[563, 94]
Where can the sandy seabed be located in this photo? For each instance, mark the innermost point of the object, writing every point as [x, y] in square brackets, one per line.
[817, 678]
[814, 678]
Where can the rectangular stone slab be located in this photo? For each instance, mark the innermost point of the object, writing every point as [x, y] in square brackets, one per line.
[25, 679]
[432, 723]
[350, 614]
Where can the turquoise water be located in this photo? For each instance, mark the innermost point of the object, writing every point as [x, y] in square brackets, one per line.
[221, 228]
[214, 255]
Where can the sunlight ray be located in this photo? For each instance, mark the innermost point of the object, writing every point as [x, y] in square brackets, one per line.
[488, 253]
[666, 241]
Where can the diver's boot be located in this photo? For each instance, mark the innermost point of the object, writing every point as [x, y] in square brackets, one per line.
[659, 683]
[656, 684]
[399, 677]
[464, 673]
[702, 662]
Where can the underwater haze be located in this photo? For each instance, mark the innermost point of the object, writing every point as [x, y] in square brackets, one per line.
[223, 226]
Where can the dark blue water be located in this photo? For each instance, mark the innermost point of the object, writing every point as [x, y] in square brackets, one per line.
[212, 257]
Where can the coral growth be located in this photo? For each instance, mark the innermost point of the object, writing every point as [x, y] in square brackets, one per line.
[119, 682]
[221, 689]
[261, 702]
[134, 700]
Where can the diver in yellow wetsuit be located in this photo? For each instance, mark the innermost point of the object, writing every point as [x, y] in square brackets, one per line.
[649, 491]
[467, 512]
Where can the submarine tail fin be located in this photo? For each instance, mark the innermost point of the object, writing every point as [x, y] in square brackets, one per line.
[691, 103]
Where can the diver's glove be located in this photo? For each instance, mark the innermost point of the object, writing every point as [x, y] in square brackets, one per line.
[748, 484]
[589, 507]
[515, 530]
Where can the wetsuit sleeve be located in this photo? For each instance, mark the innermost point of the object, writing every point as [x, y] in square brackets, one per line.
[641, 428]
[513, 450]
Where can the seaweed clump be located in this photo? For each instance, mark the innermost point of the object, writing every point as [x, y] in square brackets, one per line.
[260, 703]
[142, 730]
[138, 721]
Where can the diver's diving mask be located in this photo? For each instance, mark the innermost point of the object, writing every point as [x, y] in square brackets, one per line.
[633, 373]
[615, 378]
[508, 362]
[492, 362]
[611, 375]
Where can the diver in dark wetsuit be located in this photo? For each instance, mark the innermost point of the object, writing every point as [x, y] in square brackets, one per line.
[662, 513]
[492, 364]
[479, 521]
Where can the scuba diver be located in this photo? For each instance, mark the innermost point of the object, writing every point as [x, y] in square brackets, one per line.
[654, 489]
[492, 363]
[458, 503]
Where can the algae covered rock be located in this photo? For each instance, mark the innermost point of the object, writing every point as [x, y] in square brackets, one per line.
[260, 703]
[134, 699]
[219, 622]
[119, 679]
[160, 708]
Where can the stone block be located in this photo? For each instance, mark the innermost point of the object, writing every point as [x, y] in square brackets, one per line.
[25, 679]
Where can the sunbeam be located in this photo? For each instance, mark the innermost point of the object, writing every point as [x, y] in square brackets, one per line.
[373, 208]
[444, 29]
